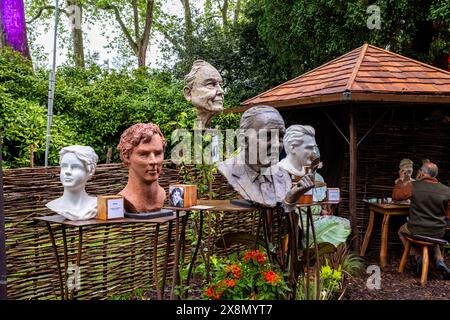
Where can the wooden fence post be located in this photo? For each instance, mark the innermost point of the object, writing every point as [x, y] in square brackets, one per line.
[31, 155]
[108, 155]
[3, 292]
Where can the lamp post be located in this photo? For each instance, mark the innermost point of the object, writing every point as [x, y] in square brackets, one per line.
[51, 86]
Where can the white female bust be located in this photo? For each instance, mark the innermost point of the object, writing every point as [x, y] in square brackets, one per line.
[77, 166]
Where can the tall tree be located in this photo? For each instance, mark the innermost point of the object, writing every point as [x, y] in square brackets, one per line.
[12, 26]
[138, 34]
[75, 9]
[41, 11]
[305, 34]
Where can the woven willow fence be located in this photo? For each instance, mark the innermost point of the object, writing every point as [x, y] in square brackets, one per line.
[403, 133]
[116, 258]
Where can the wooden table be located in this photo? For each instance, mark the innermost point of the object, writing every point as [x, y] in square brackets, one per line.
[69, 293]
[387, 210]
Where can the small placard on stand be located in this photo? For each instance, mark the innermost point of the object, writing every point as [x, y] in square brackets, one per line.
[333, 195]
[110, 207]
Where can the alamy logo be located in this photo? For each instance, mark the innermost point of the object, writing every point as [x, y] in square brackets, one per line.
[374, 280]
[74, 16]
[74, 277]
[374, 20]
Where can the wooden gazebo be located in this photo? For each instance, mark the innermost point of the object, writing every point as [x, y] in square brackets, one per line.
[365, 77]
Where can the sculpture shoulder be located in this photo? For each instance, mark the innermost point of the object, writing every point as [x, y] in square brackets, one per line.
[227, 167]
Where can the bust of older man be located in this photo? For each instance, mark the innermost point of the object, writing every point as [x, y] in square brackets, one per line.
[252, 172]
[204, 90]
[141, 149]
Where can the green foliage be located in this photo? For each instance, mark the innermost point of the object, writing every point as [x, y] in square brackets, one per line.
[306, 34]
[331, 283]
[351, 263]
[248, 277]
[329, 229]
[91, 107]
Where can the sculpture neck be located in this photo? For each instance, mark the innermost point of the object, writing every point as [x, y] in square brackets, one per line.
[204, 118]
[75, 197]
[142, 188]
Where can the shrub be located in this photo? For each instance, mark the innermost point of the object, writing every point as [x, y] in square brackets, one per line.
[250, 277]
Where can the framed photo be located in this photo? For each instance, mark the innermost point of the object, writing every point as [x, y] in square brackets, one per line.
[176, 194]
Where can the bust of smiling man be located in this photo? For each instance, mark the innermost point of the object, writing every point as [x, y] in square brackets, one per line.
[141, 149]
[204, 90]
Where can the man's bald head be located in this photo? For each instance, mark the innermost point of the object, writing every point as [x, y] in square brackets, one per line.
[430, 168]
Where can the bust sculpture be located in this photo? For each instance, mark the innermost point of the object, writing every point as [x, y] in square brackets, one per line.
[141, 149]
[406, 171]
[301, 150]
[77, 166]
[204, 90]
[255, 176]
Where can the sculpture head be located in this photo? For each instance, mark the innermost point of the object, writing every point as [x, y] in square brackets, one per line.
[300, 146]
[141, 149]
[407, 166]
[77, 166]
[204, 90]
[262, 129]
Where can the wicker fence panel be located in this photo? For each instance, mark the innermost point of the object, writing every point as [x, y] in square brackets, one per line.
[116, 259]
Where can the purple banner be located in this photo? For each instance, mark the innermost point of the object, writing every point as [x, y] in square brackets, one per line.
[13, 18]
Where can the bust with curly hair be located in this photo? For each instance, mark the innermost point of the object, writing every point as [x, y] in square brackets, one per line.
[141, 149]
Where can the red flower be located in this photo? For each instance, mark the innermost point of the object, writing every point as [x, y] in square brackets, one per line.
[271, 277]
[256, 256]
[249, 256]
[235, 270]
[260, 257]
[230, 283]
[210, 292]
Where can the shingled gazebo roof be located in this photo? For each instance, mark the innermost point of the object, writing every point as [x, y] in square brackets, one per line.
[366, 74]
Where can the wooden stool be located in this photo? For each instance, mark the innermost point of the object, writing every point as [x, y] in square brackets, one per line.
[424, 242]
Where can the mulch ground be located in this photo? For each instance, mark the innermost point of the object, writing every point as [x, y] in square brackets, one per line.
[394, 285]
[399, 286]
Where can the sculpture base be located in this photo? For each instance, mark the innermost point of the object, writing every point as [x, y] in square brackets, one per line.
[149, 215]
[243, 203]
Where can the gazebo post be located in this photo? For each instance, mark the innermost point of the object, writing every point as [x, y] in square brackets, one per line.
[3, 293]
[353, 172]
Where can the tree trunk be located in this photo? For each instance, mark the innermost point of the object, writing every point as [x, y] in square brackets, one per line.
[237, 12]
[76, 16]
[142, 54]
[187, 20]
[145, 39]
[14, 27]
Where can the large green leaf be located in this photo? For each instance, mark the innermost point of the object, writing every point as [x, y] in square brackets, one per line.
[331, 229]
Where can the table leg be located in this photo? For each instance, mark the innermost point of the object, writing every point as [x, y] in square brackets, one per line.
[58, 266]
[197, 246]
[316, 253]
[155, 261]
[166, 259]
[384, 241]
[78, 263]
[66, 261]
[176, 271]
[368, 234]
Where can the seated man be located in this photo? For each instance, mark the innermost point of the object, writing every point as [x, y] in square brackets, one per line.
[430, 202]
